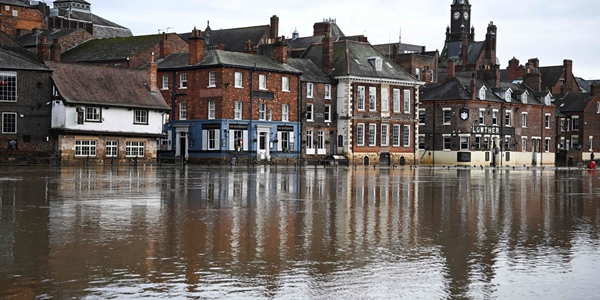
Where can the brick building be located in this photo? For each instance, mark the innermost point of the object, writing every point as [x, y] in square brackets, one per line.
[376, 102]
[230, 104]
[578, 124]
[485, 121]
[106, 115]
[18, 17]
[66, 38]
[415, 59]
[559, 80]
[129, 52]
[25, 94]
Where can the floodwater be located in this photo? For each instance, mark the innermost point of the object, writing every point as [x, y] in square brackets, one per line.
[285, 233]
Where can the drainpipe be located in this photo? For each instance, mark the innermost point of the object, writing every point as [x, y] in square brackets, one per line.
[298, 140]
[251, 136]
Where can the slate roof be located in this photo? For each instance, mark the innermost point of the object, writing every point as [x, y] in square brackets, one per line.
[310, 71]
[116, 87]
[234, 39]
[551, 75]
[110, 49]
[29, 39]
[454, 49]
[10, 60]
[219, 58]
[352, 58]
[586, 85]
[573, 102]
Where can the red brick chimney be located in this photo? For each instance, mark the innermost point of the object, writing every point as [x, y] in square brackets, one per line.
[327, 51]
[569, 80]
[196, 47]
[450, 69]
[515, 70]
[465, 53]
[249, 48]
[321, 28]
[55, 50]
[43, 50]
[274, 34]
[533, 79]
[473, 87]
[595, 90]
[152, 74]
[534, 62]
[280, 50]
[165, 46]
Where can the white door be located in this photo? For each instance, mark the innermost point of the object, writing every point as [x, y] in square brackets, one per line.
[263, 146]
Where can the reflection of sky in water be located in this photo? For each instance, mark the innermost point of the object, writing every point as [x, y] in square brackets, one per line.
[310, 233]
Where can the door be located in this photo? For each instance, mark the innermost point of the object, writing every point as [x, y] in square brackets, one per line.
[263, 146]
[384, 159]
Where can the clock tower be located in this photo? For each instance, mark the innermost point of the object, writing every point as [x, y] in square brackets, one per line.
[460, 21]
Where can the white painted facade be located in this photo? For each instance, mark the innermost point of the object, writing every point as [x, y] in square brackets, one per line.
[112, 120]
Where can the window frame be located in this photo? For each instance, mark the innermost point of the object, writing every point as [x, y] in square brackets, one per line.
[396, 100]
[238, 112]
[285, 113]
[508, 118]
[446, 116]
[238, 80]
[385, 135]
[262, 111]
[285, 84]
[4, 121]
[396, 132]
[212, 79]
[360, 134]
[165, 82]
[7, 88]
[90, 145]
[422, 116]
[524, 120]
[482, 116]
[372, 98]
[183, 81]
[140, 116]
[406, 101]
[406, 136]
[262, 82]
[372, 135]
[112, 148]
[182, 111]
[310, 90]
[310, 112]
[95, 119]
[327, 113]
[138, 146]
[360, 98]
[328, 91]
[212, 110]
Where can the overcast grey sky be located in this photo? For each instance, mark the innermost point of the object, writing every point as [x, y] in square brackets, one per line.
[551, 30]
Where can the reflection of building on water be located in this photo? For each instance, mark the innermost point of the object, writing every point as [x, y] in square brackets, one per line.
[203, 226]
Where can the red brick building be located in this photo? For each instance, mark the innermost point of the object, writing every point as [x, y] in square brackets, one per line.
[19, 17]
[230, 104]
[559, 80]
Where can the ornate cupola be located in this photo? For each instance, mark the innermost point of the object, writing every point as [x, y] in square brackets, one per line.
[460, 21]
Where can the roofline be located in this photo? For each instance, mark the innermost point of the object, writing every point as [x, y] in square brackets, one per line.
[379, 80]
[84, 102]
[105, 133]
[225, 66]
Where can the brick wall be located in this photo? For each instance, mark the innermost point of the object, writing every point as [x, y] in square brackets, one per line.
[33, 94]
[27, 19]
[76, 38]
[67, 150]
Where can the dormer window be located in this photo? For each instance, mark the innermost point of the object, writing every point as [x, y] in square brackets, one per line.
[482, 92]
[508, 95]
[376, 62]
[524, 97]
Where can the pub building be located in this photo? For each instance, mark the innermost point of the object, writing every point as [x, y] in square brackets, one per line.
[480, 122]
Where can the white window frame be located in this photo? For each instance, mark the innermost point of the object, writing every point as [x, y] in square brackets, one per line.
[327, 113]
[165, 82]
[406, 136]
[396, 135]
[310, 140]
[238, 111]
[212, 110]
[482, 116]
[464, 142]
[422, 116]
[285, 84]
[360, 98]
[5, 120]
[495, 117]
[85, 148]
[524, 144]
[183, 81]
[447, 141]
[212, 79]
[407, 101]
[140, 117]
[482, 93]
[524, 120]
[508, 118]
[372, 98]
[262, 111]
[385, 100]
[135, 149]
[310, 90]
[212, 142]
[262, 82]
[360, 134]
[547, 145]
[328, 91]
[285, 113]
[372, 135]
[547, 121]
[447, 111]
[310, 112]
[385, 135]
[591, 143]
[270, 114]
[396, 100]
[321, 142]
[112, 148]
[238, 80]
[575, 123]
[93, 114]
[183, 111]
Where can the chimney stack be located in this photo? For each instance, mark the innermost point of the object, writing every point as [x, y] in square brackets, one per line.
[515, 70]
[280, 50]
[450, 69]
[152, 74]
[55, 50]
[321, 28]
[535, 62]
[569, 80]
[165, 46]
[274, 34]
[327, 51]
[595, 90]
[196, 47]
[473, 87]
[533, 79]
[43, 50]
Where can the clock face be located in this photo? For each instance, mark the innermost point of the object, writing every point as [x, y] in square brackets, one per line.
[466, 15]
[456, 15]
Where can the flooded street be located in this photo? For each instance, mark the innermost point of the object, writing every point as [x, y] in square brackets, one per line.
[271, 233]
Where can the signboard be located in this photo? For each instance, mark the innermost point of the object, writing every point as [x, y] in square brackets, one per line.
[493, 130]
[463, 157]
[285, 128]
[464, 114]
[238, 126]
[211, 126]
